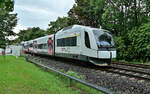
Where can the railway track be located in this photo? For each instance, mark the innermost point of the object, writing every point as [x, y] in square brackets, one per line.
[125, 71]
[137, 71]
[132, 65]
[101, 76]
[129, 73]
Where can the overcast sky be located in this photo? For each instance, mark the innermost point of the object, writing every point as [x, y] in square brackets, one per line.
[39, 13]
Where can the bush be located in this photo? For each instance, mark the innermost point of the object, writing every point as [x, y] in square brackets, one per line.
[121, 48]
[140, 42]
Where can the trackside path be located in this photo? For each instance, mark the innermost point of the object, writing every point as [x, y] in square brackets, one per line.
[20, 77]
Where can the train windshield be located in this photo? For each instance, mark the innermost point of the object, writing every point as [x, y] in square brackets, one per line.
[103, 38]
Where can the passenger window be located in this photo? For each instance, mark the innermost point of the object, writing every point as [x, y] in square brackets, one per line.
[87, 40]
[72, 41]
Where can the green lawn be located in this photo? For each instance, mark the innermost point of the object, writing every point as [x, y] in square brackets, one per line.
[20, 77]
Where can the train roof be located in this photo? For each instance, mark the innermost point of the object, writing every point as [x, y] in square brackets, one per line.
[41, 38]
[79, 26]
[65, 30]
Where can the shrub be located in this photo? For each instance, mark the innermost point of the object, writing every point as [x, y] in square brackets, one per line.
[140, 42]
[121, 48]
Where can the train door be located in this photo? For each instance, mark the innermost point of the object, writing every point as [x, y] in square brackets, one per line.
[35, 46]
[51, 45]
[89, 46]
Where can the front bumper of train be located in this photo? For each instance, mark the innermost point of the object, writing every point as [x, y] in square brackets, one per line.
[106, 54]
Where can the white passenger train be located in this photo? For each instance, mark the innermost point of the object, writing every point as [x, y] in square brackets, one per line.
[76, 42]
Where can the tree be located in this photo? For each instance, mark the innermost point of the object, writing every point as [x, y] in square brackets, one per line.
[6, 6]
[30, 34]
[89, 12]
[60, 23]
[139, 39]
[122, 15]
[7, 21]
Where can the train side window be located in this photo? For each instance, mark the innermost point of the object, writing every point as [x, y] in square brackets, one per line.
[68, 42]
[87, 40]
[40, 46]
[59, 42]
[30, 45]
[72, 41]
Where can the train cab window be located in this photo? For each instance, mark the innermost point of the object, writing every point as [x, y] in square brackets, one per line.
[103, 38]
[87, 40]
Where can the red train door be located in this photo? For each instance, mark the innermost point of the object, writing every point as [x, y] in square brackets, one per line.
[35, 46]
[50, 46]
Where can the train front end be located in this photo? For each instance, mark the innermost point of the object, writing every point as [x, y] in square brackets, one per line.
[105, 48]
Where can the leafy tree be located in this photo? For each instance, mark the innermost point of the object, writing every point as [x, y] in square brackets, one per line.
[30, 34]
[7, 24]
[7, 21]
[6, 6]
[122, 15]
[140, 42]
[58, 24]
[121, 48]
[61, 23]
[89, 12]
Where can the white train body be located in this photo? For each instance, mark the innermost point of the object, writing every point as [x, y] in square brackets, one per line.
[77, 42]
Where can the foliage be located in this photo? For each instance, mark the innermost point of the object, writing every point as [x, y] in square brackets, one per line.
[89, 12]
[121, 47]
[140, 42]
[6, 6]
[122, 15]
[7, 21]
[30, 33]
[61, 23]
[58, 24]
[7, 24]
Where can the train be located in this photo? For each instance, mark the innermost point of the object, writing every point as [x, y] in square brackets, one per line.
[77, 42]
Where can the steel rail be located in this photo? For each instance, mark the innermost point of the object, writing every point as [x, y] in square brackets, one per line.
[131, 70]
[133, 65]
[125, 74]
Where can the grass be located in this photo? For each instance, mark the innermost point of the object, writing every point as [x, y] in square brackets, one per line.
[134, 62]
[20, 77]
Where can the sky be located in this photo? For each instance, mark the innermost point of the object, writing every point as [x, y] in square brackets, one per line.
[39, 13]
